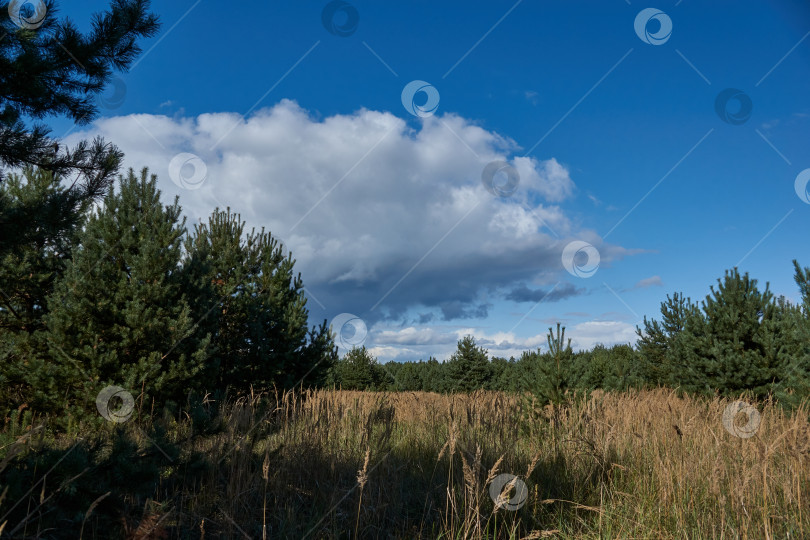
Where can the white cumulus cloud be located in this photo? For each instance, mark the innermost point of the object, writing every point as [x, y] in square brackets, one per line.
[381, 216]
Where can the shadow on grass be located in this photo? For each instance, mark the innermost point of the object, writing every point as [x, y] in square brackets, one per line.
[277, 470]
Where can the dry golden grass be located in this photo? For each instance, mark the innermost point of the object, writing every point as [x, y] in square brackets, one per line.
[635, 465]
[338, 464]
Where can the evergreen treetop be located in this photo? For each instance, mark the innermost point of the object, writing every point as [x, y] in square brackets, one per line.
[52, 69]
[469, 366]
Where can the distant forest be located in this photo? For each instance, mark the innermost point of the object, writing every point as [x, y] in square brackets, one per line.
[738, 340]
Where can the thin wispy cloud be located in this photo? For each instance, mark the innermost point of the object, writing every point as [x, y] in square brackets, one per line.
[652, 281]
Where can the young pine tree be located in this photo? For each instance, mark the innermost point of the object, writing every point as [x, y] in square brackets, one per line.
[468, 367]
[744, 341]
[551, 379]
[550, 374]
[657, 340]
[253, 304]
[358, 370]
[119, 316]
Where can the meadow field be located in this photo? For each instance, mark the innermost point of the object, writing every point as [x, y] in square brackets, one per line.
[290, 277]
[340, 464]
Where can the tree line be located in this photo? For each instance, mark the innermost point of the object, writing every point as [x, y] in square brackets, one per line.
[739, 340]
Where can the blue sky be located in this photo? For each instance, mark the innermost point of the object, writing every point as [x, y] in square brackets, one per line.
[617, 143]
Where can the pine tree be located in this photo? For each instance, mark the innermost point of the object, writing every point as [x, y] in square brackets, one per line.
[435, 377]
[524, 372]
[798, 376]
[552, 369]
[657, 339]
[499, 367]
[119, 316]
[551, 375]
[247, 296]
[52, 69]
[359, 370]
[28, 273]
[742, 341]
[408, 376]
[469, 366]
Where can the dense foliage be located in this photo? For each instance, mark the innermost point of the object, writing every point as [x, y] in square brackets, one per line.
[246, 295]
[739, 340]
[131, 298]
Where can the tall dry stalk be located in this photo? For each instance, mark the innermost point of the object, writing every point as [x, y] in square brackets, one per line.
[266, 477]
[362, 478]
